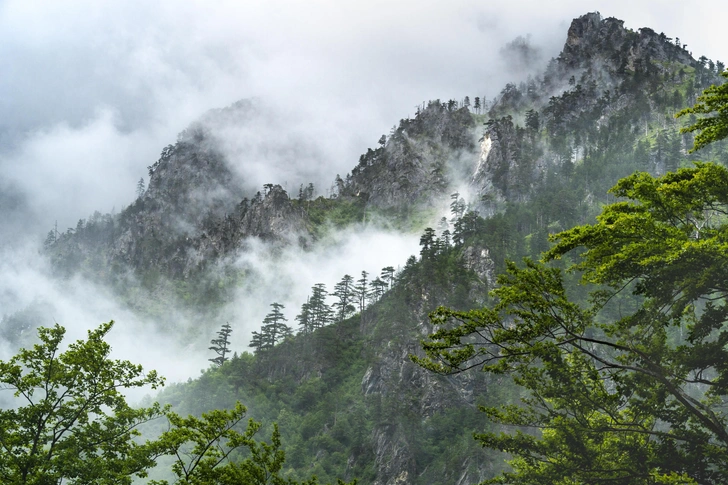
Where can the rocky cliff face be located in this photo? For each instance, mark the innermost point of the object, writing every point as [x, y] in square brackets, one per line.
[420, 161]
[598, 43]
[195, 209]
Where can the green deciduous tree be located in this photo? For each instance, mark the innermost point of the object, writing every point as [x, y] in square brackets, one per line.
[70, 422]
[203, 448]
[629, 386]
[713, 102]
[220, 448]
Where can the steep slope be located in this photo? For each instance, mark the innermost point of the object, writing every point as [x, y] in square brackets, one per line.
[420, 162]
[548, 154]
[350, 402]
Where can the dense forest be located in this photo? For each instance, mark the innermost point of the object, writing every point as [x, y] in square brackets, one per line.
[562, 321]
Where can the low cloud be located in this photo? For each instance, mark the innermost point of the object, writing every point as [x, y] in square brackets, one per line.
[286, 276]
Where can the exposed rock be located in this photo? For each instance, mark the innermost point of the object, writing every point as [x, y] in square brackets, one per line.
[478, 260]
[194, 211]
[593, 42]
[592, 81]
[420, 161]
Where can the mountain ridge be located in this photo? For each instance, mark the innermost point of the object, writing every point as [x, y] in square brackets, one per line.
[538, 159]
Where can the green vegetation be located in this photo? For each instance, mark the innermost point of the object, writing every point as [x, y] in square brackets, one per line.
[73, 425]
[713, 101]
[325, 214]
[312, 384]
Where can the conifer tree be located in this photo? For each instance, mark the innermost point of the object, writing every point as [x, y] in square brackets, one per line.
[344, 291]
[379, 287]
[220, 344]
[257, 342]
[446, 238]
[427, 242]
[305, 318]
[140, 187]
[387, 276]
[321, 312]
[442, 224]
[362, 291]
[274, 329]
[466, 226]
[457, 206]
[532, 121]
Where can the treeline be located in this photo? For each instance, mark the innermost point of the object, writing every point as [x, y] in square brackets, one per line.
[350, 295]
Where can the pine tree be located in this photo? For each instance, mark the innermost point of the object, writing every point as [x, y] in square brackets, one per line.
[427, 242]
[457, 206]
[387, 276]
[257, 342]
[140, 187]
[305, 318]
[344, 291]
[379, 287]
[274, 330]
[321, 313]
[220, 344]
[532, 121]
[362, 291]
[50, 239]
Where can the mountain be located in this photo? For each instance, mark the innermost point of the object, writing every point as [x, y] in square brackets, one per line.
[538, 158]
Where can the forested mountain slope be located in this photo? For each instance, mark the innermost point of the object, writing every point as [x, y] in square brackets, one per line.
[494, 178]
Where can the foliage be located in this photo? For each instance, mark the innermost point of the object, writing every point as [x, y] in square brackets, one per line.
[714, 102]
[76, 427]
[554, 173]
[616, 395]
[75, 424]
[273, 331]
[220, 344]
[204, 448]
[312, 385]
[345, 293]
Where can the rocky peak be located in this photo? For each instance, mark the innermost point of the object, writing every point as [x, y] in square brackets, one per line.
[418, 162]
[583, 29]
[591, 39]
[273, 217]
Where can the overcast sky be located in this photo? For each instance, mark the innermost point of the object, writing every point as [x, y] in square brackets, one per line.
[90, 92]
